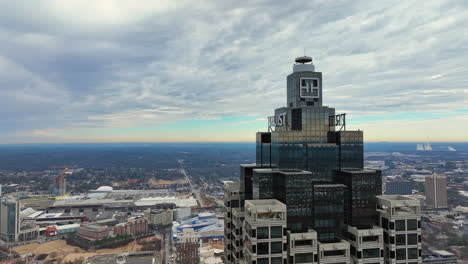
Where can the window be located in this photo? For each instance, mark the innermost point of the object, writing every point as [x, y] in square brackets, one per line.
[304, 258]
[95, 209]
[276, 261]
[315, 92]
[315, 83]
[81, 210]
[276, 247]
[401, 240]
[353, 251]
[262, 248]
[400, 225]
[254, 233]
[384, 223]
[235, 203]
[371, 253]
[276, 232]
[392, 240]
[262, 260]
[412, 239]
[385, 238]
[412, 253]
[262, 232]
[391, 225]
[300, 243]
[370, 238]
[254, 249]
[412, 224]
[401, 253]
[303, 82]
[330, 253]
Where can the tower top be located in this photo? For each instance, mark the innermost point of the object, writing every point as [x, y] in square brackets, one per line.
[303, 64]
[304, 59]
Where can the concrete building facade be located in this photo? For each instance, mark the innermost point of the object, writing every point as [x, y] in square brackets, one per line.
[436, 191]
[400, 219]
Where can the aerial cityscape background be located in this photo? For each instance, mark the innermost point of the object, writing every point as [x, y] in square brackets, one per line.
[181, 132]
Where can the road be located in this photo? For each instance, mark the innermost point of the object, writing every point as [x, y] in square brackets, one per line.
[194, 190]
[168, 244]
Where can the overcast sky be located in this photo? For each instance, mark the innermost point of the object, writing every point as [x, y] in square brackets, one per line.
[133, 71]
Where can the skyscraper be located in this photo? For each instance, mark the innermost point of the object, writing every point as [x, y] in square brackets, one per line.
[309, 162]
[436, 191]
[9, 219]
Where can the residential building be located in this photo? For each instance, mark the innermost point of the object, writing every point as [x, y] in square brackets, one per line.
[134, 226]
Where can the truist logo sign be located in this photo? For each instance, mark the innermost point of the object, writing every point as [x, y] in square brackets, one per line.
[309, 88]
[278, 120]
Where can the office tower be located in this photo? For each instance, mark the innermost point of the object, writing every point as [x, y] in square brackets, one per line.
[399, 187]
[232, 229]
[400, 219]
[310, 162]
[436, 191]
[9, 219]
[265, 232]
[188, 247]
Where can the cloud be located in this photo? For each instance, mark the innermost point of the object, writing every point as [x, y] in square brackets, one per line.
[114, 64]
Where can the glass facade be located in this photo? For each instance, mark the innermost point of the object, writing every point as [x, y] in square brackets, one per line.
[360, 200]
[310, 162]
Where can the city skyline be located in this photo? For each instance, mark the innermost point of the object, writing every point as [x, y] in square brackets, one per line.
[166, 72]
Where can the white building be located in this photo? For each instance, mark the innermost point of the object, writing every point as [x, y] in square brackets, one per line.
[366, 245]
[264, 228]
[400, 219]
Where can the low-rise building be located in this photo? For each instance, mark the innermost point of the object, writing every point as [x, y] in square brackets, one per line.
[94, 231]
[159, 217]
[134, 226]
[440, 257]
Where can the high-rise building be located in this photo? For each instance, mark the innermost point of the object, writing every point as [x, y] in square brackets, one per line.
[188, 247]
[312, 167]
[265, 232]
[400, 219]
[436, 191]
[9, 219]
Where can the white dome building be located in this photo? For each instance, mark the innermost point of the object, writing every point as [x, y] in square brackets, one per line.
[105, 189]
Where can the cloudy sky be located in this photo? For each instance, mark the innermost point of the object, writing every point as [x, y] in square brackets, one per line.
[148, 71]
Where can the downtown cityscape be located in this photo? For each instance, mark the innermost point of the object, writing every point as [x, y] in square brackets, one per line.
[313, 132]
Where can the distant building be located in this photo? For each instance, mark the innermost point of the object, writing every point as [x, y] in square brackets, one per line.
[94, 231]
[188, 247]
[159, 217]
[436, 191]
[134, 227]
[9, 219]
[440, 257]
[399, 187]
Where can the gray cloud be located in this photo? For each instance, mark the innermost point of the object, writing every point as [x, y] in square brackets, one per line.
[115, 64]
